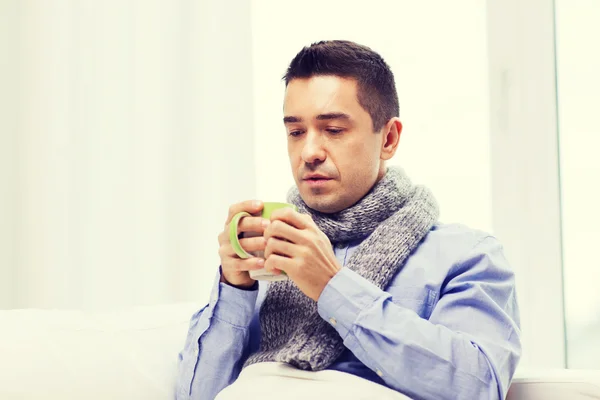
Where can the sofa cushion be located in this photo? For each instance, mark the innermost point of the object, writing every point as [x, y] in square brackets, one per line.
[127, 354]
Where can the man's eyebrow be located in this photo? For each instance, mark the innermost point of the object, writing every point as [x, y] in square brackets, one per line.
[320, 117]
[290, 120]
[334, 115]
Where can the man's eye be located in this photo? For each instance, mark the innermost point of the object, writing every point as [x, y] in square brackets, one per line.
[334, 131]
[295, 133]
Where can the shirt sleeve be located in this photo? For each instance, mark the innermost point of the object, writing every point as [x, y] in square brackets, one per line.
[468, 349]
[216, 344]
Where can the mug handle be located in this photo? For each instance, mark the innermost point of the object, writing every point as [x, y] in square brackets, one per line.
[233, 235]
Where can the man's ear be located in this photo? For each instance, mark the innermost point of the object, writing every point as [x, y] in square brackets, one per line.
[391, 138]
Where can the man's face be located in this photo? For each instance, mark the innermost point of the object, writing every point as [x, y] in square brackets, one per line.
[334, 153]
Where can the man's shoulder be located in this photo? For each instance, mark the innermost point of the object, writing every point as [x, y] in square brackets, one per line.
[458, 234]
[449, 244]
[451, 250]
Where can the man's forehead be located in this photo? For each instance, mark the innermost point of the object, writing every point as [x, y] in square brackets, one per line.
[320, 95]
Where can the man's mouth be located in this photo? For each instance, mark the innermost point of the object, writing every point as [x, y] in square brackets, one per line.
[315, 177]
[317, 181]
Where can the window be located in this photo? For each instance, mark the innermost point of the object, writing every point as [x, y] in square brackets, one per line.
[578, 78]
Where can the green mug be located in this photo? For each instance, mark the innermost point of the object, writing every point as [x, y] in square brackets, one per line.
[268, 208]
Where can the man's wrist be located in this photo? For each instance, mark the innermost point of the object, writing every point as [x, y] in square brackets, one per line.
[249, 286]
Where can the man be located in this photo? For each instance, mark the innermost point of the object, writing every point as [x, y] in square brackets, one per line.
[380, 293]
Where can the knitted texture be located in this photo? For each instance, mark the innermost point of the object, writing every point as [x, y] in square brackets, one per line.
[391, 220]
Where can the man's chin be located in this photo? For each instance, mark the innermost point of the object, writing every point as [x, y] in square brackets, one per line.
[322, 203]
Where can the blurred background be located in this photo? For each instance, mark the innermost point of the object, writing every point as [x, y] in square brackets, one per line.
[127, 128]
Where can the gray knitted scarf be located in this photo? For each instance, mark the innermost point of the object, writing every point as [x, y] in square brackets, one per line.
[391, 220]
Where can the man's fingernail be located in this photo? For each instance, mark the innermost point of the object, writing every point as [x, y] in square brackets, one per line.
[266, 223]
[260, 262]
[256, 203]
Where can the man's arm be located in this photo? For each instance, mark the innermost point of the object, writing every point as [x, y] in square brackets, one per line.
[468, 349]
[216, 343]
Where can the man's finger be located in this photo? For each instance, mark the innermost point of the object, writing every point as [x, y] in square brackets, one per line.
[249, 206]
[276, 263]
[223, 237]
[226, 250]
[249, 264]
[282, 230]
[279, 247]
[253, 244]
[291, 217]
[253, 224]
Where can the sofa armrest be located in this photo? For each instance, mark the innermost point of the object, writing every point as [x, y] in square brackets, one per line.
[559, 384]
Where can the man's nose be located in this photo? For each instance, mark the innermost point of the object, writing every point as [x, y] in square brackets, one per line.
[313, 150]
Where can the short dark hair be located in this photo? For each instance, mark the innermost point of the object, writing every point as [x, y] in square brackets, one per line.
[376, 87]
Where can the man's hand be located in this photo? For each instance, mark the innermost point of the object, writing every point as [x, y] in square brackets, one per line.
[234, 269]
[297, 246]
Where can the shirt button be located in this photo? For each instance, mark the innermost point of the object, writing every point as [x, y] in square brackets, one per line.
[379, 373]
[332, 321]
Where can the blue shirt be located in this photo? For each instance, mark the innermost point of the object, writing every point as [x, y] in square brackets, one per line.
[446, 327]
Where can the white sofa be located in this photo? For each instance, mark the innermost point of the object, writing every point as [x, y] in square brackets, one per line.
[132, 354]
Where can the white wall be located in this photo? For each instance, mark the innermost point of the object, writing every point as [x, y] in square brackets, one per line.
[127, 144]
[440, 64]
